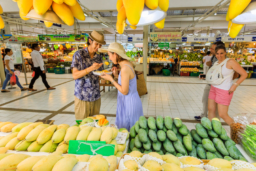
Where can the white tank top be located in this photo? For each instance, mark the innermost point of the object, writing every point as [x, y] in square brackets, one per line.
[227, 83]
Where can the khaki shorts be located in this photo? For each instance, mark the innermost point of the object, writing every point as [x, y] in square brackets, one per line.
[84, 109]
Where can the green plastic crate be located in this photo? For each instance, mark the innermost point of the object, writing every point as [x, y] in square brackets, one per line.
[166, 72]
[194, 74]
[59, 70]
[50, 70]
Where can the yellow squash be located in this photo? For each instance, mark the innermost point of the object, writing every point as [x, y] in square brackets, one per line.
[70, 2]
[119, 4]
[160, 24]
[236, 7]
[163, 4]
[48, 24]
[152, 4]
[41, 6]
[64, 12]
[234, 29]
[133, 10]
[77, 12]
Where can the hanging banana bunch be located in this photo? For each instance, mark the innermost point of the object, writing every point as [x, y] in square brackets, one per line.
[132, 9]
[66, 10]
[1, 19]
[236, 7]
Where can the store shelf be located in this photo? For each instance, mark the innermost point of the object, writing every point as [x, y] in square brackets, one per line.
[247, 66]
[253, 63]
[161, 62]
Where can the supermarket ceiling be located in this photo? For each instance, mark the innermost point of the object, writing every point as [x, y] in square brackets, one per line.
[181, 14]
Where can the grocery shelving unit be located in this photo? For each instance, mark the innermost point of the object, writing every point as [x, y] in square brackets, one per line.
[189, 66]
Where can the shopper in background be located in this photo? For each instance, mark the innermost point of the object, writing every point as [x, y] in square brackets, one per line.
[129, 106]
[138, 55]
[9, 70]
[87, 88]
[208, 86]
[176, 60]
[221, 95]
[206, 59]
[38, 68]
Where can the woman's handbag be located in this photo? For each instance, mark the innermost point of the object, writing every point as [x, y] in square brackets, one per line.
[141, 84]
[13, 79]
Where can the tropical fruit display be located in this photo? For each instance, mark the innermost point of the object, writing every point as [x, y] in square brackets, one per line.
[132, 10]
[66, 10]
[191, 56]
[208, 140]
[39, 137]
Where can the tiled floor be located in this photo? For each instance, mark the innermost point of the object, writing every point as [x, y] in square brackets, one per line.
[167, 96]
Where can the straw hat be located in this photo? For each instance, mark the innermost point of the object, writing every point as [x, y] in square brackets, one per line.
[117, 48]
[98, 37]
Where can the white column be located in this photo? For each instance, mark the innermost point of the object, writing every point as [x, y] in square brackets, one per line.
[2, 75]
[145, 51]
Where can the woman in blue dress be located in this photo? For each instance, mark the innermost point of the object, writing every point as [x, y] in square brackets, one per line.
[129, 106]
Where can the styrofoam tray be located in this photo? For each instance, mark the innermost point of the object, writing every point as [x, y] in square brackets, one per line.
[99, 74]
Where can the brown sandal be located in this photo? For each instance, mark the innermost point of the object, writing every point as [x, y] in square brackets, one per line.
[5, 91]
[24, 89]
[51, 88]
[31, 89]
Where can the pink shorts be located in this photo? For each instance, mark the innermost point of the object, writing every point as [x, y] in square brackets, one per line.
[220, 96]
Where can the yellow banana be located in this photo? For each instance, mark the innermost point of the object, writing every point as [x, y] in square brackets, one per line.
[59, 1]
[77, 12]
[32, 136]
[46, 134]
[28, 163]
[236, 7]
[34, 147]
[42, 7]
[11, 144]
[10, 162]
[160, 24]
[25, 6]
[234, 29]
[64, 12]
[8, 127]
[163, 4]
[48, 24]
[63, 126]
[70, 2]
[65, 164]
[7, 138]
[20, 126]
[133, 10]
[49, 147]
[119, 4]
[151, 4]
[59, 135]
[71, 134]
[1, 10]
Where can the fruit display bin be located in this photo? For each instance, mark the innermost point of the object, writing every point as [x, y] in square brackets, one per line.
[184, 74]
[194, 74]
[50, 70]
[59, 70]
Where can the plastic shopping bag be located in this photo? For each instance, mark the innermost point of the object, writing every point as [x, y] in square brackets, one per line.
[33, 74]
[13, 79]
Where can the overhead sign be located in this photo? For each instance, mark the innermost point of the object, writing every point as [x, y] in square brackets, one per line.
[21, 38]
[165, 36]
[218, 39]
[5, 36]
[200, 39]
[64, 38]
[130, 39]
[54, 24]
[134, 39]
[163, 45]
[239, 39]
[184, 39]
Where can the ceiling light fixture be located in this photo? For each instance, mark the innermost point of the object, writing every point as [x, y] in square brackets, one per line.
[248, 16]
[49, 16]
[149, 16]
[215, 13]
[104, 24]
[85, 14]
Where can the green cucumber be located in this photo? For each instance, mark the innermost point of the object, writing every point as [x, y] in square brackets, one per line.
[137, 142]
[187, 141]
[196, 137]
[161, 135]
[160, 152]
[152, 135]
[216, 125]
[143, 136]
[143, 122]
[177, 122]
[208, 145]
[201, 131]
[168, 122]
[183, 130]
[206, 123]
[151, 123]
[171, 135]
[168, 146]
[160, 122]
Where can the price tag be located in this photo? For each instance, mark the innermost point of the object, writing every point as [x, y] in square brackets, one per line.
[185, 56]
[121, 137]
[243, 63]
[199, 56]
[165, 64]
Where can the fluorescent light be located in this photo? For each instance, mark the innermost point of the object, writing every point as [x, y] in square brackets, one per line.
[104, 24]
[149, 16]
[85, 15]
[215, 13]
[248, 16]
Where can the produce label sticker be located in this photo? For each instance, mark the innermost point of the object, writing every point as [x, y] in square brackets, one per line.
[121, 138]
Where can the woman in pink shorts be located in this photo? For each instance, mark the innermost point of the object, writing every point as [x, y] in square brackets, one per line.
[222, 94]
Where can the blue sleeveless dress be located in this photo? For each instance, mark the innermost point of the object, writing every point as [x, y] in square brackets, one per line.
[129, 107]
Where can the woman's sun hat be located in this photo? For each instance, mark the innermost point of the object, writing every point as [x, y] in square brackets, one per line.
[117, 48]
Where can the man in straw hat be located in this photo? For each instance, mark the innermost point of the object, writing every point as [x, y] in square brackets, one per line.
[87, 89]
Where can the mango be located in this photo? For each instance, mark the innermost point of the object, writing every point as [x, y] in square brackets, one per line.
[10, 162]
[65, 164]
[133, 12]
[152, 165]
[28, 163]
[171, 167]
